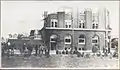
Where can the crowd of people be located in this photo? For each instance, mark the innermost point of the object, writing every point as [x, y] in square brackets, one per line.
[95, 52]
[25, 50]
[39, 50]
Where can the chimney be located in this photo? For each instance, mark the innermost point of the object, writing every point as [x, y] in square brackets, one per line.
[45, 14]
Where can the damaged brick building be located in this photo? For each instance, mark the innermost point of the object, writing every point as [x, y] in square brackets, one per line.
[64, 30]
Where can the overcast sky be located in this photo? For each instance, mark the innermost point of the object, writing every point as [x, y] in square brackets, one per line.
[21, 17]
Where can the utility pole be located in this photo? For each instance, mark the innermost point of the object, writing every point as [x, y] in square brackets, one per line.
[77, 17]
[72, 30]
[109, 36]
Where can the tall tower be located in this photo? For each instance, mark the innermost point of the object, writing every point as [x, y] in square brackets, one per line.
[88, 18]
[103, 18]
[64, 16]
[61, 19]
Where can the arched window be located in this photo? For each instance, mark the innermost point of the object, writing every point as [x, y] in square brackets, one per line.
[95, 43]
[95, 39]
[68, 39]
[53, 38]
[81, 39]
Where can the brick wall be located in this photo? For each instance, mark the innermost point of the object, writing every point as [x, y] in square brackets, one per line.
[88, 38]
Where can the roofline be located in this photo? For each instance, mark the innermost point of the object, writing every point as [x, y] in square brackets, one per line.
[75, 29]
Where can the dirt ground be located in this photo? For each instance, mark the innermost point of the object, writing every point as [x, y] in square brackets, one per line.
[58, 61]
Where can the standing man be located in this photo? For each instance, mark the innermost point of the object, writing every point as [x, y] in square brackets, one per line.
[36, 50]
[29, 49]
[39, 49]
[8, 50]
[24, 45]
[42, 48]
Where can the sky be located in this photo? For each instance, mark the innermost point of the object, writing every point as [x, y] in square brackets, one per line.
[22, 16]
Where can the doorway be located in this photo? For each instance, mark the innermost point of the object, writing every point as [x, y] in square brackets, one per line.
[53, 46]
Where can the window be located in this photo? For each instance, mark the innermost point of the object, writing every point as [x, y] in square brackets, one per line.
[66, 26]
[65, 48]
[54, 23]
[68, 23]
[53, 38]
[82, 24]
[95, 20]
[95, 26]
[81, 49]
[68, 39]
[81, 39]
[95, 40]
[95, 43]
[69, 26]
[79, 25]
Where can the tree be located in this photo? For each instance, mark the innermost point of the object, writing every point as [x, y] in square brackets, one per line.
[14, 35]
[114, 43]
[3, 39]
[39, 32]
[20, 36]
[95, 48]
[10, 35]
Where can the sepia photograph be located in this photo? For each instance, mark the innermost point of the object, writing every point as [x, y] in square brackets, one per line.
[59, 34]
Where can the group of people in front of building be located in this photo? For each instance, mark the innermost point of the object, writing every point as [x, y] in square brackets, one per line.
[37, 49]
[27, 50]
[95, 51]
[7, 49]
[24, 50]
[65, 51]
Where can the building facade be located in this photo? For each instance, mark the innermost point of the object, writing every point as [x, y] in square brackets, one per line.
[18, 41]
[61, 30]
